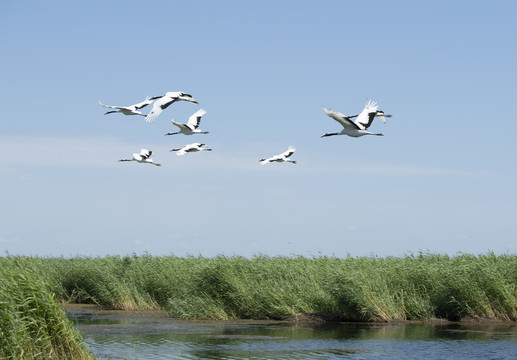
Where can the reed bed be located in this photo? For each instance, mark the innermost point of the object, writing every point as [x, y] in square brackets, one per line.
[412, 287]
[32, 324]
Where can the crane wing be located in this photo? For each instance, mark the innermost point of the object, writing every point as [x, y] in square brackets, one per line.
[195, 119]
[158, 106]
[145, 153]
[341, 118]
[142, 104]
[268, 160]
[290, 151]
[187, 148]
[365, 118]
[108, 106]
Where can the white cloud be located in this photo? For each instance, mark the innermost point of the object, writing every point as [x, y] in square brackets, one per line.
[391, 170]
[60, 151]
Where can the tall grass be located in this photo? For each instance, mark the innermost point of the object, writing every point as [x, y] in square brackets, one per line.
[32, 325]
[413, 287]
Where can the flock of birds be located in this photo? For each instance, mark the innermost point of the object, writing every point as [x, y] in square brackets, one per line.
[353, 128]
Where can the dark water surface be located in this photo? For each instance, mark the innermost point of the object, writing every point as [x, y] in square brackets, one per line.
[153, 335]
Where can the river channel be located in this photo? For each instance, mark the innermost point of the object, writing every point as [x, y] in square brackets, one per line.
[153, 335]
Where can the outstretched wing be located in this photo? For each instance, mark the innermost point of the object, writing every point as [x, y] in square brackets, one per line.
[365, 118]
[195, 119]
[266, 161]
[341, 118]
[290, 151]
[108, 106]
[145, 153]
[193, 147]
[159, 105]
[182, 151]
[142, 104]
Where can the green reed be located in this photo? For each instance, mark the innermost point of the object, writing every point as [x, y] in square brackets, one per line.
[32, 324]
[412, 287]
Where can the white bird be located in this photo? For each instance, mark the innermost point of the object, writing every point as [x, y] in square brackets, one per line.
[191, 148]
[191, 127]
[143, 157]
[283, 157]
[358, 127]
[129, 110]
[164, 101]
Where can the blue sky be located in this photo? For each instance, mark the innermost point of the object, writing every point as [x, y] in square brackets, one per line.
[442, 179]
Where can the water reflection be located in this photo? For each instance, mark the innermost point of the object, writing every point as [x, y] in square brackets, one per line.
[144, 335]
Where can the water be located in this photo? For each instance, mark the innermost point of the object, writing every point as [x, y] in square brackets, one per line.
[153, 335]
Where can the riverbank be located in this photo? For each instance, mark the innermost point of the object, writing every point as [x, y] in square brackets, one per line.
[364, 289]
[97, 313]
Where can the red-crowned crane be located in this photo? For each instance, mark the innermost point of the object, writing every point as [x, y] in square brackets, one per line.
[283, 157]
[191, 148]
[143, 157]
[191, 127]
[358, 127]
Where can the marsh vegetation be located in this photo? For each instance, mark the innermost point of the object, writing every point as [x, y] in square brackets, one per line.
[32, 324]
[413, 287]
